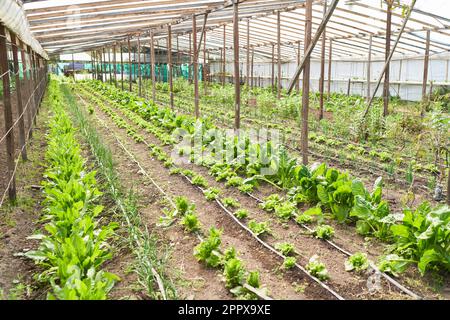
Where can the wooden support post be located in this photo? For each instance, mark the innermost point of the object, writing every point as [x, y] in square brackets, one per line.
[386, 55]
[8, 117]
[297, 83]
[386, 65]
[92, 65]
[305, 90]
[425, 74]
[311, 46]
[139, 65]
[110, 66]
[28, 88]
[115, 65]
[273, 67]
[248, 54]
[121, 64]
[144, 89]
[190, 60]
[194, 36]
[20, 111]
[152, 58]
[369, 63]
[448, 187]
[73, 67]
[33, 84]
[349, 83]
[130, 74]
[224, 55]
[169, 65]
[251, 67]
[330, 54]
[279, 54]
[36, 82]
[237, 82]
[322, 66]
[205, 91]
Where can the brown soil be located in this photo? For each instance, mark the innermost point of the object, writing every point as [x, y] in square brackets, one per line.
[22, 220]
[254, 257]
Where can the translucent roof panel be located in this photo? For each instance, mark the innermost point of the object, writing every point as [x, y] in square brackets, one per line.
[71, 26]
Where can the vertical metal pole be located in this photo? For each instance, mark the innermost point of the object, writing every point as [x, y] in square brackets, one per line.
[237, 82]
[130, 74]
[386, 53]
[19, 97]
[139, 65]
[248, 54]
[425, 74]
[7, 110]
[306, 75]
[322, 65]
[194, 36]
[330, 53]
[279, 54]
[152, 58]
[169, 63]
[224, 55]
[369, 63]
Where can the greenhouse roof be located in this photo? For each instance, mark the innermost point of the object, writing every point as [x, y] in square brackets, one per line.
[85, 25]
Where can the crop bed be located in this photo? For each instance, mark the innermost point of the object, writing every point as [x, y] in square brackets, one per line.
[291, 225]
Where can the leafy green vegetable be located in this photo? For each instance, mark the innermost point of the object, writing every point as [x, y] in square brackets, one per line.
[241, 213]
[208, 250]
[357, 262]
[285, 248]
[289, 262]
[190, 222]
[259, 228]
[211, 193]
[317, 268]
[230, 203]
[324, 232]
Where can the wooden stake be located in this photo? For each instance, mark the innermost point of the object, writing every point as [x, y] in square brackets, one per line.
[204, 64]
[109, 65]
[130, 66]
[237, 82]
[425, 74]
[348, 86]
[8, 117]
[305, 90]
[20, 112]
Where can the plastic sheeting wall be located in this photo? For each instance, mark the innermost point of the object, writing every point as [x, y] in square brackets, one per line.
[405, 75]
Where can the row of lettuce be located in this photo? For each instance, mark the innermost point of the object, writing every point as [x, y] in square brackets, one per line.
[420, 235]
[75, 244]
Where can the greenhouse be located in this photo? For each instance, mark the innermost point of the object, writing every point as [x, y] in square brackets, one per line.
[224, 150]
